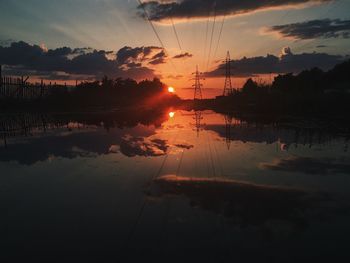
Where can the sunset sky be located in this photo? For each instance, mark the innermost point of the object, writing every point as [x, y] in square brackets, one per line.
[114, 37]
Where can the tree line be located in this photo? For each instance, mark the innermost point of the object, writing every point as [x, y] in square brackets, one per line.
[106, 93]
[311, 91]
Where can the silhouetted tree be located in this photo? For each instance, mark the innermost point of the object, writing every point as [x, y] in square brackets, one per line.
[250, 86]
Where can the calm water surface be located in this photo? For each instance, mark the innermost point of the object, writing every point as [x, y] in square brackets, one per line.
[176, 186]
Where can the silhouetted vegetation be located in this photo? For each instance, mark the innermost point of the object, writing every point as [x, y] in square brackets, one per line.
[311, 91]
[108, 93]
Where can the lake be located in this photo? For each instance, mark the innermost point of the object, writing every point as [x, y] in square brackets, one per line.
[172, 185]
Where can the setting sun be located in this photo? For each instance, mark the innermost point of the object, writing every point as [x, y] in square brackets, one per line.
[171, 89]
[172, 114]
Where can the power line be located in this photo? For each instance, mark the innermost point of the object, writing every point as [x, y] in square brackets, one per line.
[212, 35]
[155, 32]
[151, 23]
[176, 35]
[145, 201]
[219, 38]
[206, 39]
[211, 156]
[180, 163]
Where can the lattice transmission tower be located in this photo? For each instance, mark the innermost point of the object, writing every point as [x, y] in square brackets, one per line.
[198, 118]
[228, 90]
[228, 124]
[197, 85]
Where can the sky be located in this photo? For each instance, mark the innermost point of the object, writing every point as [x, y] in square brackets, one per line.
[65, 40]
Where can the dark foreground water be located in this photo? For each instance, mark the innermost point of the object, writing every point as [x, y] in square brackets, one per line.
[172, 187]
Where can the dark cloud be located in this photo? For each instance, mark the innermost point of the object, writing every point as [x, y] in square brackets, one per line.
[287, 62]
[58, 143]
[83, 50]
[183, 55]
[159, 58]
[95, 63]
[238, 200]
[161, 10]
[321, 46]
[286, 134]
[161, 54]
[139, 146]
[324, 28]
[137, 73]
[134, 65]
[320, 166]
[69, 136]
[86, 63]
[129, 54]
[176, 77]
[185, 146]
[60, 52]
[157, 61]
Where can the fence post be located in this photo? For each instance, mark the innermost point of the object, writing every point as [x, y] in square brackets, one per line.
[8, 87]
[41, 88]
[1, 90]
[22, 88]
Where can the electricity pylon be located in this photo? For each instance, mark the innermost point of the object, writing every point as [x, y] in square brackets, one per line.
[228, 124]
[197, 85]
[198, 117]
[228, 84]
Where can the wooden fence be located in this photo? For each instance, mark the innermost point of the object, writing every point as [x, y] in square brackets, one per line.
[20, 88]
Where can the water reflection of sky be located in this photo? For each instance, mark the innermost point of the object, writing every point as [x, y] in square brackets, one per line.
[192, 179]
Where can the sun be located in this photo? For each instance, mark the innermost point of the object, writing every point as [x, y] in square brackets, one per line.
[172, 114]
[171, 89]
